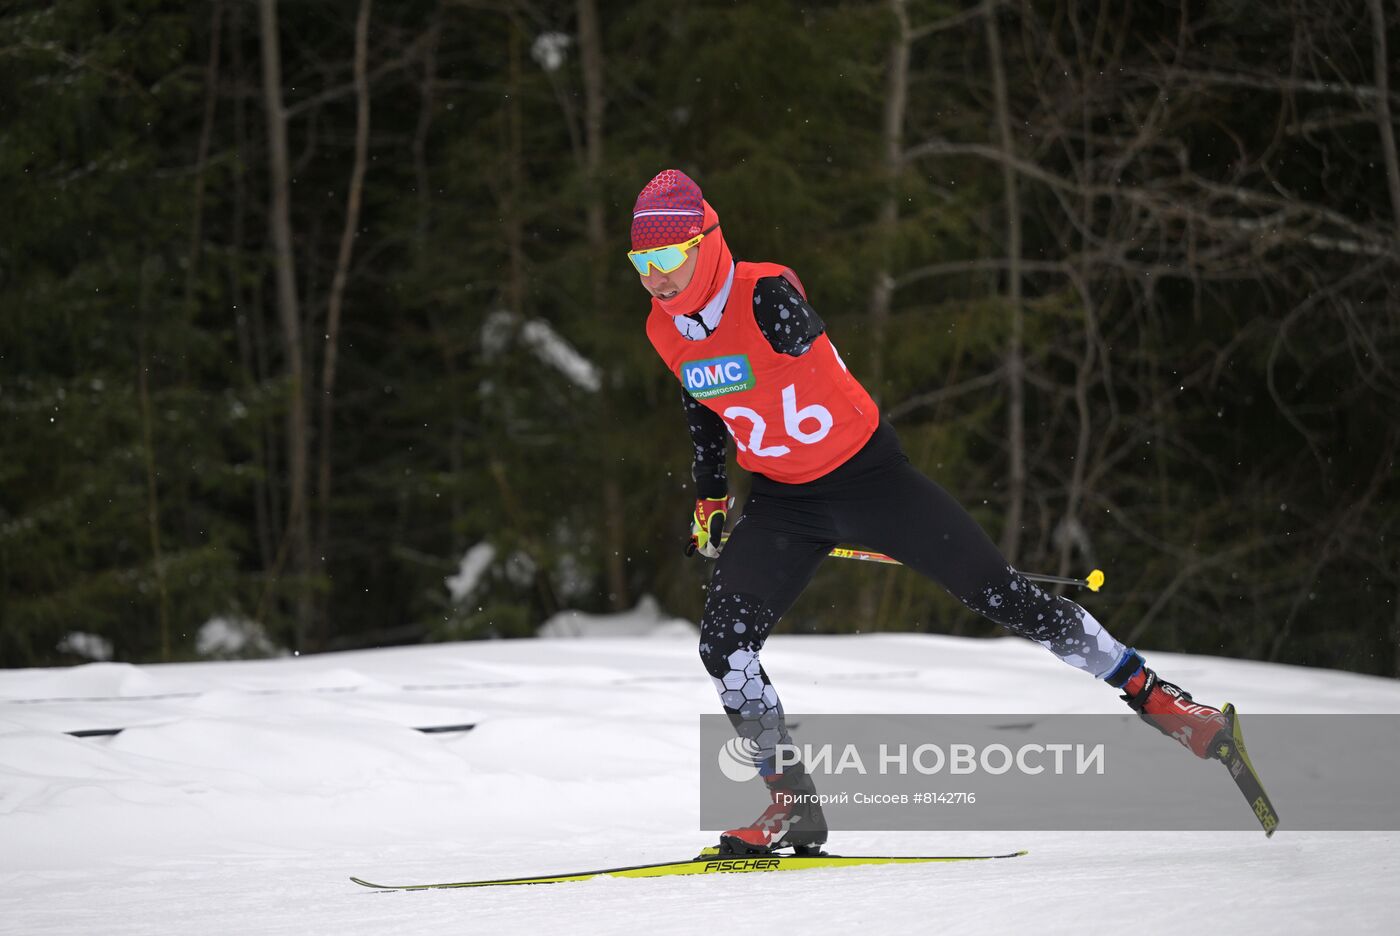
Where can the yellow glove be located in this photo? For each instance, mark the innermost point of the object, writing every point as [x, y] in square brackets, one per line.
[707, 526]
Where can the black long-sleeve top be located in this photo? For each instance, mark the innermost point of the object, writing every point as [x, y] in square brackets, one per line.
[790, 325]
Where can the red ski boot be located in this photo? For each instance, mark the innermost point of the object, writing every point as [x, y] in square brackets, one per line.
[793, 820]
[1171, 711]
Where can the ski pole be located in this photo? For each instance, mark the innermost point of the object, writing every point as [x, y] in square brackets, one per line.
[1094, 581]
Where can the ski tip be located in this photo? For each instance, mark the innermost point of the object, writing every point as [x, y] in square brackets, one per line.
[364, 883]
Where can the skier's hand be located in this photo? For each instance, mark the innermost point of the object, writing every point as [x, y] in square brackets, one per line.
[707, 526]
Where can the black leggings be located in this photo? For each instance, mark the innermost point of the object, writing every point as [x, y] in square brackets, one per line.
[878, 500]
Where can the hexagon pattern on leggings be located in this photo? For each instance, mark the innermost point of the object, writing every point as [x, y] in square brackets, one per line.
[731, 632]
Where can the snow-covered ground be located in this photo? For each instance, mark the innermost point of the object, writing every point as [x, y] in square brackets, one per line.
[242, 796]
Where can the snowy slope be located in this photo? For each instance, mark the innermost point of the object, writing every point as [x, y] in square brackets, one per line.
[241, 796]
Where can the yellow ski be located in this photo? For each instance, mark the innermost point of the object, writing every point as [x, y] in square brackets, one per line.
[1230, 750]
[704, 864]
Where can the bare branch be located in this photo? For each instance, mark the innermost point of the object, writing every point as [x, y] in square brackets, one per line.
[1165, 203]
[956, 20]
[991, 378]
[1365, 94]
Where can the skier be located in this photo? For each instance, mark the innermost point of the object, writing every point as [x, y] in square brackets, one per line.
[755, 362]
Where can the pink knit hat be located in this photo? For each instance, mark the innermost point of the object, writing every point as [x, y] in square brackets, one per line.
[669, 210]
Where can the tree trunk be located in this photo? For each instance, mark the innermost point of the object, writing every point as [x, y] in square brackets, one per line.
[590, 43]
[148, 446]
[1071, 531]
[296, 539]
[515, 177]
[422, 225]
[201, 160]
[1381, 64]
[870, 606]
[336, 301]
[1015, 363]
[887, 217]
[247, 328]
[180, 493]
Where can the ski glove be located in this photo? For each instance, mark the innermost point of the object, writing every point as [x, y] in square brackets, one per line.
[707, 526]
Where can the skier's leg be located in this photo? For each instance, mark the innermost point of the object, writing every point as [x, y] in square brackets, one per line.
[917, 522]
[913, 519]
[771, 555]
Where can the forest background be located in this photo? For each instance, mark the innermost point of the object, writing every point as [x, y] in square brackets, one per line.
[315, 319]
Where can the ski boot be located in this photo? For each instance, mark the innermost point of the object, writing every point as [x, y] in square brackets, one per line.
[793, 820]
[1169, 709]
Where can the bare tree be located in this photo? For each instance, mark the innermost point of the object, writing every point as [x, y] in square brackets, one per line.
[590, 41]
[150, 270]
[1381, 63]
[1014, 359]
[891, 169]
[1151, 218]
[335, 303]
[248, 327]
[201, 162]
[296, 537]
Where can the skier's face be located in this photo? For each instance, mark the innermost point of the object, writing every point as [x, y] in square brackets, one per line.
[670, 285]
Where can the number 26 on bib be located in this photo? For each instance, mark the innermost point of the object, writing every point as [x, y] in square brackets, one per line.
[798, 424]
